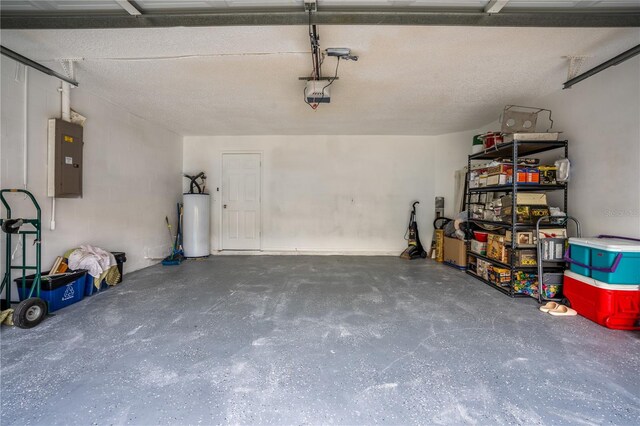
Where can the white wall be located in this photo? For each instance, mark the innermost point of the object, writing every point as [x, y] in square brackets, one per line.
[600, 117]
[132, 172]
[344, 194]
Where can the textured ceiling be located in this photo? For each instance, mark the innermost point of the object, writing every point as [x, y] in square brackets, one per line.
[244, 80]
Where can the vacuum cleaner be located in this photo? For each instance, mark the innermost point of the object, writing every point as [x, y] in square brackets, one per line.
[414, 249]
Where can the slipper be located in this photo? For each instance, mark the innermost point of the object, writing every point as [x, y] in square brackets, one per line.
[549, 306]
[562, 311]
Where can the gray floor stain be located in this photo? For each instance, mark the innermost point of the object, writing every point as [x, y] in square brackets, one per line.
[315, 340]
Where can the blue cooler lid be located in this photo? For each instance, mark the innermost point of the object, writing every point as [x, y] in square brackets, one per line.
[608, 244]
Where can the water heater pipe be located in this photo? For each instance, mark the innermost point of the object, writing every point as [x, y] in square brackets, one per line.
[65, 107]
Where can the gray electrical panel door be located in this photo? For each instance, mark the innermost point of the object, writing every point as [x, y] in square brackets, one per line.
[65, 159]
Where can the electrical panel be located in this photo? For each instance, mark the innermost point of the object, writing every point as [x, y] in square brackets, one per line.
[64, 152]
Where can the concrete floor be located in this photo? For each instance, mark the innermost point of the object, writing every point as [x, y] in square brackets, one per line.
[315, 340]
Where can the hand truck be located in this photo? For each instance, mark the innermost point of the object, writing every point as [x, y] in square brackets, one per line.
[32, 309]
[550, 250]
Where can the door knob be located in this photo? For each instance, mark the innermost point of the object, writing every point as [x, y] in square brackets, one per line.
[224, 206]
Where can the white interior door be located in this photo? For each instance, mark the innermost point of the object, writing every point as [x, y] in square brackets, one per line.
[241, 218]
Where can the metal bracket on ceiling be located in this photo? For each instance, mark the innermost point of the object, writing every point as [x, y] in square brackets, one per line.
[310, 5]
[68, 65]
[130, 7]
[576, 62]
[495, 6]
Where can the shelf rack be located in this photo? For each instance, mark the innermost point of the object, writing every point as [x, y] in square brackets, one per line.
[514, 150]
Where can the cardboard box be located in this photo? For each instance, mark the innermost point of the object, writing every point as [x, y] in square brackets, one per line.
[521, 175]
[494, 180]
[526, 258]
[533, 175]
[439, 251]
[482, 267]
[524, 214]
[548, 175]
[526, 199]
[523, 238]
[502, 168]
[472, 264]
[455, 252]
[496, 249]
[553, 233]
[479, 247]
[489, 215]
[499, 276]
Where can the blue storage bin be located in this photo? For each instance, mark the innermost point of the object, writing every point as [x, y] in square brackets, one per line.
[58, 291]
[90, 289]
[610, 260]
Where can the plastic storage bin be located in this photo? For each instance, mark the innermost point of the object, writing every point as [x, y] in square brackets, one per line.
[59, 291]
[613, 306]
[610, 260]
[552, 284]
[90, 288]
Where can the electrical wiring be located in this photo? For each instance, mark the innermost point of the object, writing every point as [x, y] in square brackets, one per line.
[304, 98]
[335, 76]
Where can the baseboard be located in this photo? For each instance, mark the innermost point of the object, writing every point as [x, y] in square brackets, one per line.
[309, 252]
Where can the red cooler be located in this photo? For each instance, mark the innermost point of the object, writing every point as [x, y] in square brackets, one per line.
[614, 306]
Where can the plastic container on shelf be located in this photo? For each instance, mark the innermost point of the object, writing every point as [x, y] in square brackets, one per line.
[612, 260]
[477, 145]
[615, 306]
[481, 236]
[552, 283]
[58, 291]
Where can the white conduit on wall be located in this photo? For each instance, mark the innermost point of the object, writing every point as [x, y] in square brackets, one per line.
[65, 112]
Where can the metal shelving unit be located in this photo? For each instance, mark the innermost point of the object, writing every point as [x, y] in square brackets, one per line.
[514, 150]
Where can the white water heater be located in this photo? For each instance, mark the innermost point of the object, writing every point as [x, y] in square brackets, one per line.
[195, 222]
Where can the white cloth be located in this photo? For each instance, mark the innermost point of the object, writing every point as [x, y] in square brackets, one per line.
[93, 259]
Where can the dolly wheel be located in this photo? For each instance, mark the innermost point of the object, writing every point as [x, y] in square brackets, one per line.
[29, 313]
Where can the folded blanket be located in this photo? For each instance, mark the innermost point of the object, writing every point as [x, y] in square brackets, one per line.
[93, 259]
